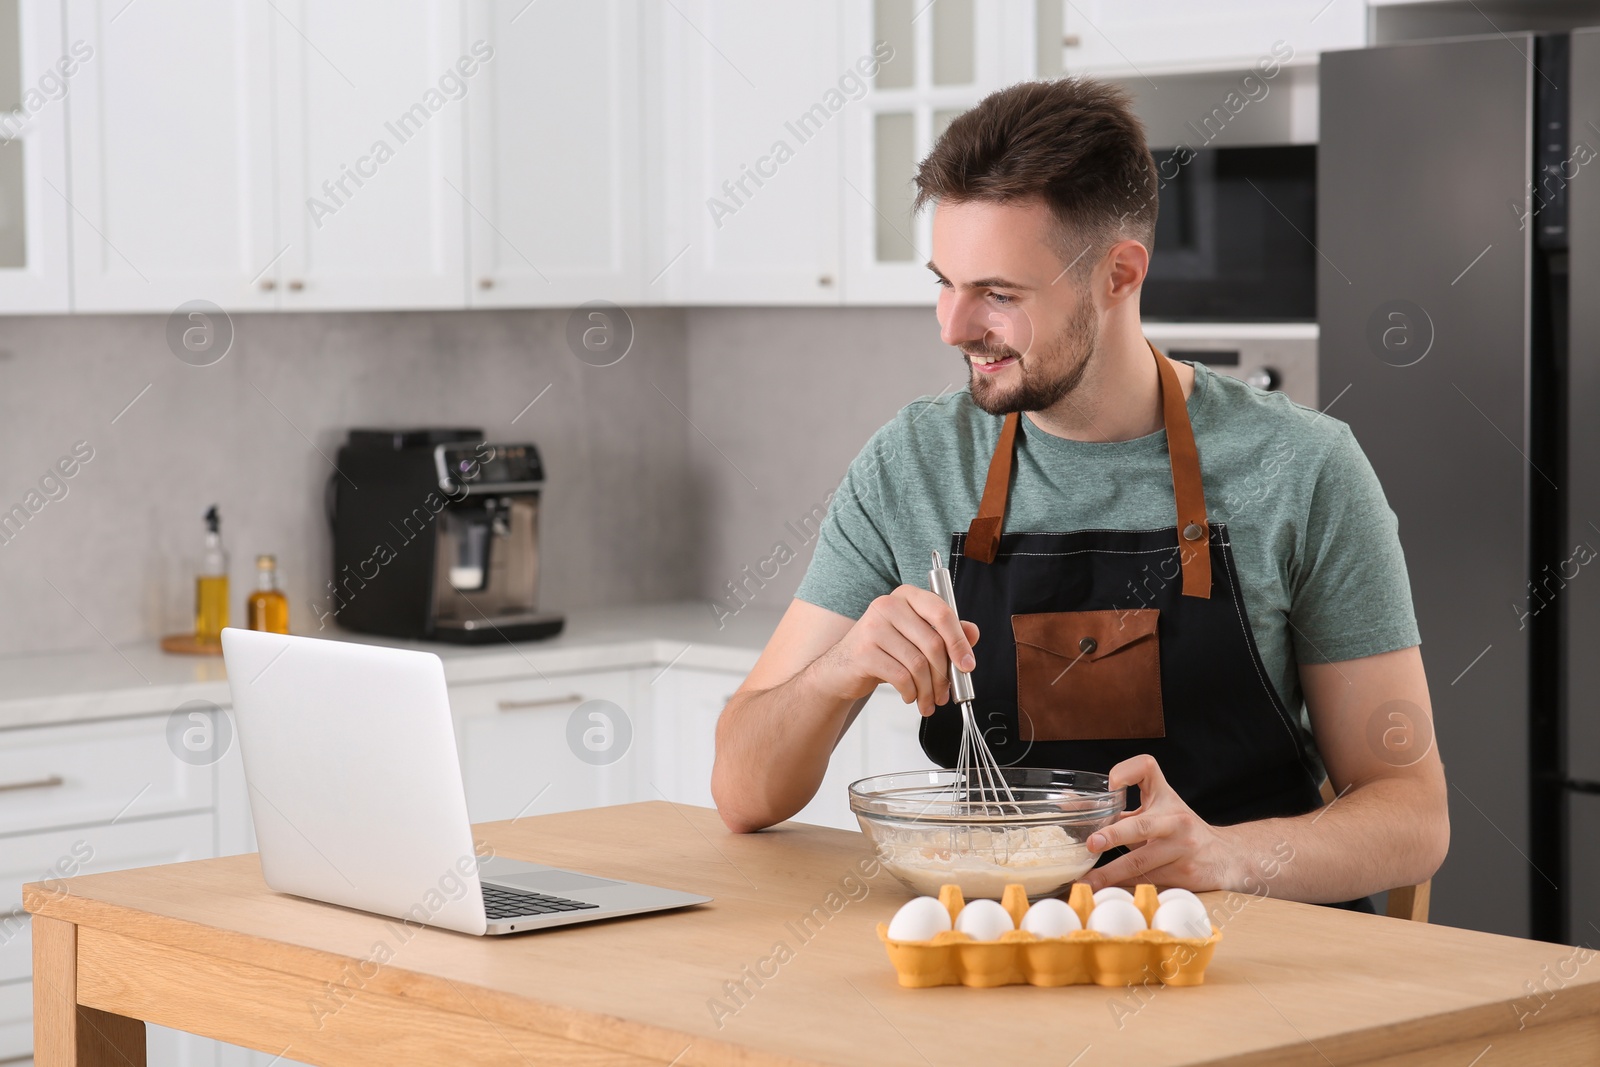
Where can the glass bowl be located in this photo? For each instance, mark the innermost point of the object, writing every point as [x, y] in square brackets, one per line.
[928, 833]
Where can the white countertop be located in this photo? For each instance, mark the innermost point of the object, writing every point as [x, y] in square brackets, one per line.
[140, 679]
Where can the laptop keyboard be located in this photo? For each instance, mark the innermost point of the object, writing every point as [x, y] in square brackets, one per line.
[502, 903]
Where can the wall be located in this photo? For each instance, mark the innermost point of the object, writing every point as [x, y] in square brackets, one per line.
[789, 396]
[112, 560]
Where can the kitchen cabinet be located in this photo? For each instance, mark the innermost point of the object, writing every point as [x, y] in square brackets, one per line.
[88, 773]
[936, 61]
[540, 744]
[84, 850]
[891, 727]
[750, 105]
[370, 106]
[172, 175]
[685, 704]
[1138, 38]
[555, 154]
[34, 82]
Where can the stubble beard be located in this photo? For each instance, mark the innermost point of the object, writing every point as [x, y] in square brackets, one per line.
[1071, 351]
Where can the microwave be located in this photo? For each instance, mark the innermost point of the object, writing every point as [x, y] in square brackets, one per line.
[1236, 232]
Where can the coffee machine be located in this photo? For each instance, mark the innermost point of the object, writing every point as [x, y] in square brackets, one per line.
[436, 537]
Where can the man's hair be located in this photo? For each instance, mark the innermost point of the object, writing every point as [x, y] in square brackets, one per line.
[1074, 143]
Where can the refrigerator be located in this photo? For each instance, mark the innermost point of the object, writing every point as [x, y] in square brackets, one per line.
[1458, 295]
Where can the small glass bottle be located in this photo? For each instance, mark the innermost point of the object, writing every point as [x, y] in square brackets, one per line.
[268, 608]
[211, 584]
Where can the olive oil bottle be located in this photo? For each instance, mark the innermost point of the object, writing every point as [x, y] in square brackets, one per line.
[211, 584]
[267, 608]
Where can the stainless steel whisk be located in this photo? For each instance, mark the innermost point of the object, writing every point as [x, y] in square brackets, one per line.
[982, 781]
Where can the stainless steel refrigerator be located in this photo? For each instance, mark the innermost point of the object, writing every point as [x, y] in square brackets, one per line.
[1458, 226]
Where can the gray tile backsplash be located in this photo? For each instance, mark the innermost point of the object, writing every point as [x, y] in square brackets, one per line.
[255, 432]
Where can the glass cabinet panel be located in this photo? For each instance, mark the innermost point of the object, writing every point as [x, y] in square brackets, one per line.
[13, 214]
[891, 22]
[954, 54]
[895, 159]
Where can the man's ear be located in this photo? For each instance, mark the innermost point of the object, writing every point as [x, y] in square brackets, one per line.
[1129, 262]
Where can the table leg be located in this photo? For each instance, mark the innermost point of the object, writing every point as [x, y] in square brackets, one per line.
[65, 1033]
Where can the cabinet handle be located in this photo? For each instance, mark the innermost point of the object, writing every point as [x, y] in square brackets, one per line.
[485, 283]
[37, 783]
[296, 284]
[268, 284]
[825, 280]
[542, 702]
[1071, 40]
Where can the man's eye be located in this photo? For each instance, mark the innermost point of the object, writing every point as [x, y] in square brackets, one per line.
[1002, 298]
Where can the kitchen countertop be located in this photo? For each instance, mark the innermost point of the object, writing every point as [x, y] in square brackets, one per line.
[140, 679]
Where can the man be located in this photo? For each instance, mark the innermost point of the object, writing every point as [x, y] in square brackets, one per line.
[1155, 565]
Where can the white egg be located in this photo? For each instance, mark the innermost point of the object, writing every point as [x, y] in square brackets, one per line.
[919, 920]
[1116, 918]
[1113, 892]
[1051, 918]
[1182, 917]
[984, 920]
[1167, 894]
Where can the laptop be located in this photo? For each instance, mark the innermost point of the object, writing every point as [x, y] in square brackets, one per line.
[355, 791]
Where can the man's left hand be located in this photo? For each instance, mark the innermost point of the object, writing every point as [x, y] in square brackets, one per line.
[1168, 844]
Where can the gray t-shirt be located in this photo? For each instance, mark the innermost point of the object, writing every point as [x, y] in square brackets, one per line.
[1315, 544]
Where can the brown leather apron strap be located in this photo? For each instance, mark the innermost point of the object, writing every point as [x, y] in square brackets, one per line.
[983, 534]
[1194, 532]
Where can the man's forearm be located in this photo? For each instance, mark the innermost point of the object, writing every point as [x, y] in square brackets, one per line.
[1373, 837]
[772, 751]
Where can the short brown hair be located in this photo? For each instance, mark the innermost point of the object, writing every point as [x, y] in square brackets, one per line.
[1075, 143]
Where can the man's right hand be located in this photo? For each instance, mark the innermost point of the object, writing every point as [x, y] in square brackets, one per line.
[908, 639]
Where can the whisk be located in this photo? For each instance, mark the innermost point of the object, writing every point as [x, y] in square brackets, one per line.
[982, 784]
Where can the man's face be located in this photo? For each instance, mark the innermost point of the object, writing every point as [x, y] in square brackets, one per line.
[1025, 326]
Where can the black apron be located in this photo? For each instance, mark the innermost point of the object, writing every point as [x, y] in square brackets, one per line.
[1098, 645]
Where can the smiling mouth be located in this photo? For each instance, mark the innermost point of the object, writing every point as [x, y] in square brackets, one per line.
[989, 364]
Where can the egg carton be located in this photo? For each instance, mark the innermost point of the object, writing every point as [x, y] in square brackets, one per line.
[1077, 958]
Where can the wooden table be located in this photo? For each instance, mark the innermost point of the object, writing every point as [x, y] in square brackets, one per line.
[784, 968]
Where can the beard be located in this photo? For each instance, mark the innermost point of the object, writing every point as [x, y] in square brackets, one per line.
[1064, 363]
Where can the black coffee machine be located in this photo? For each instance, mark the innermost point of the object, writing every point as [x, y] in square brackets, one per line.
[436, 537]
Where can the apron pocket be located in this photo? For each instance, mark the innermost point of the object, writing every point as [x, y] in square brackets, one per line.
[1088, 675]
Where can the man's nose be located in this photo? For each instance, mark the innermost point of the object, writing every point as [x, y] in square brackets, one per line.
[962, 320]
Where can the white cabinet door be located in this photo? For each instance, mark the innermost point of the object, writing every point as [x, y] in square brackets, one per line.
[831, 805]
[934, 61]
[172, 179]
[33, 159]
[750, 109]
[891, 734]
[370, 115]
[1138, 38]
[49, 857]
[97, 772]
[555, 153]
[536, 745]
[684, 705]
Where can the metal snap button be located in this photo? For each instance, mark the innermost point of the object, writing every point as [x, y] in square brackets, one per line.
[1087, 645]
[1192, 532]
